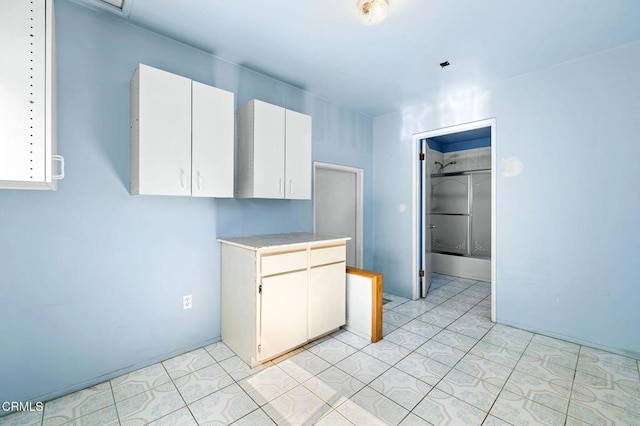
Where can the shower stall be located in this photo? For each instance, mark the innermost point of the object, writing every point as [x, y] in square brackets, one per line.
[461, 223]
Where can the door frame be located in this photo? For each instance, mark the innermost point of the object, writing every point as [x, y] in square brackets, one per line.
[419, 217]
[359, 242]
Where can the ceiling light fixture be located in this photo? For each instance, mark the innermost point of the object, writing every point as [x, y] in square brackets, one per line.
[372, 12]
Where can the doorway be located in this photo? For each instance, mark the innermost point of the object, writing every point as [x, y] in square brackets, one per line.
[338, 205]
[434, 171]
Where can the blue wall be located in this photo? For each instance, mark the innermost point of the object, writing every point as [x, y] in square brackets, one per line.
[92, 278]
[568, 227]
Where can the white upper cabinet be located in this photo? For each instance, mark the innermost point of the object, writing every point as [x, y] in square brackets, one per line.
[212, 126]
[273, 152]
[181, 136]
[27, 95]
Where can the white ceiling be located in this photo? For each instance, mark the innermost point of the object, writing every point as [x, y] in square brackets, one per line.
[320, 46]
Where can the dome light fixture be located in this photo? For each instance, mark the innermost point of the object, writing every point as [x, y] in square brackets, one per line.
[372, 12]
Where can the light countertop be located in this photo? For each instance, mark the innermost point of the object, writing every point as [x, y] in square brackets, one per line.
[258, 242]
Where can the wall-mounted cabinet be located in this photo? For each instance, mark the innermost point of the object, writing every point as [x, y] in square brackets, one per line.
[273, 158]
[27, 96]
[280, 291]
[181, 136]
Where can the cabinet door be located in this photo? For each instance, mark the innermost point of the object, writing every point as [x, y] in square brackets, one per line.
[164, 133]
[283, 323]
[268, 151]
[22, 91]
[298, 156]
[327, 298]
[212, 141]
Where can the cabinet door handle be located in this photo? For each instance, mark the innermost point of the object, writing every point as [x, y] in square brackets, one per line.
[183, 175]
[199, 180]
[290, 186]
[60, 175]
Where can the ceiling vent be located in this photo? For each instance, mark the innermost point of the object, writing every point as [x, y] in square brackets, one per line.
[115, 3]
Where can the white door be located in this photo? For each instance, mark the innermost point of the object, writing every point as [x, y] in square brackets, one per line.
[283, 316]
[165, 132]
[212, 119]
[338, 206]
[297, 156]
[427, 222]
[327, 299]
[268, 150]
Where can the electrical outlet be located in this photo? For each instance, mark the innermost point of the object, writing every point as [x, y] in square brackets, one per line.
[187, 301]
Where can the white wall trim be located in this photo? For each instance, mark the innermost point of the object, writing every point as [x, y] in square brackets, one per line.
[359, 240]
[418, 234]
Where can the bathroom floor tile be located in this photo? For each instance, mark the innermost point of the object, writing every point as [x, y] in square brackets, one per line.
[22, 418]
[150, 405]
[406, 338]
[401, 387]
[203, 382]
[181, 417]
[455, 340]
[333, 350]
[255, 418]
[334, 386]
[440, 408]
[219, 351]
[440, 352]
[423, 368]
[78, 404]
[238, 369]
[518, 410]
[386, 351]
[484, 370]
[352, 339]
[469, 389]
[554, 393]
[363, 367]
[267, 384]
[303, 365]
[421, 328]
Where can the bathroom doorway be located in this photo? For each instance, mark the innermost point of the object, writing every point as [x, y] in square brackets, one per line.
[454, 205]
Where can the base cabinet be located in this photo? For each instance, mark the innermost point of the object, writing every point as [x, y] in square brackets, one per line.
[279, 295]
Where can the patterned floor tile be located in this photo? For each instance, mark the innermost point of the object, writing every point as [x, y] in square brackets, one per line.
[107, 416]
[482, 311]
[413, 420]
[395, 318]
[296, 407]
[78, 404]
[440, 408]
[333, 350]
[504, 340]
[333, 386]
[139, 381]
[223, 407]
[606, 370]
[422, 328]
[187, 363]
[386, 351]
[267, 384]
[333, 418]
[219, 351]
[387, 328]
[255, 418]
[601, 413]
[599, 356]
[494, 421]
[363, 367]
[303, 365]
[423, 368]
[469, 389]
[446, 312]
[512, 331]
[414, 308]
[150, 405]
[374, 404]
[555, 343]
[202, 383]
[470, 325]
[238, 370]
[455, 340]
[441, 352]
[182, 417]
[553, 394]
[563, 357]
[484, 370]
[435, 319]
[544, 370]
[496, 354]
[518, 410]
[406, 338]
[401, 388]
[22, 418]
[622, 393]
[352, 339]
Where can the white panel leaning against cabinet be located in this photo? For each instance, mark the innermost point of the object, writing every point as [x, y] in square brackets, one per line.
[27, 96]
[181, 136]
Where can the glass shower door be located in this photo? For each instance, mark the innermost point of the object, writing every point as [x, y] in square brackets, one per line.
[450, 213]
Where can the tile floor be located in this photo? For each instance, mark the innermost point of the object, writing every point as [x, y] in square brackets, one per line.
[442, 361]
